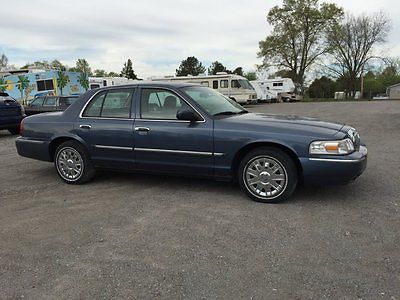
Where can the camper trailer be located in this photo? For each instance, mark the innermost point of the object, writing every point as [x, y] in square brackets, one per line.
[26, 84]
[233, 86]
[276, 90]
[98, 82]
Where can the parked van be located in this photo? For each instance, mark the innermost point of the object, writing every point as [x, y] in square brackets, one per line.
[98, 82]
[233, 86]
[277, 89]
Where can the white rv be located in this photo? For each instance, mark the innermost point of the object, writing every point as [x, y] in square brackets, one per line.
[233, 86]
[97, 82]
[272, 90]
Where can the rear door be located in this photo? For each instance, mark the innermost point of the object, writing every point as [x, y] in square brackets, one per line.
[106, 125]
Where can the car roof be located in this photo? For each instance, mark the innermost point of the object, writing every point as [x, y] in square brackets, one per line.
[164, 84]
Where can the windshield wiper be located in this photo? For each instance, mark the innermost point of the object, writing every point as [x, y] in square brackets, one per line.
[229, 113]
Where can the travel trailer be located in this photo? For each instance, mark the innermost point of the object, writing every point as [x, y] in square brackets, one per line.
[24, 85]
[276, 90]
[98, 82]
[233, 86]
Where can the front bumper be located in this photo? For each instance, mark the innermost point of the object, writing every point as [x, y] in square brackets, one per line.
[334, 170]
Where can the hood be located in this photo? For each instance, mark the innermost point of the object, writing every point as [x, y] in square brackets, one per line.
[292, 124]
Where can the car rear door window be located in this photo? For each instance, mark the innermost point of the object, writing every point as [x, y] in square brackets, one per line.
[111, 104]
[50, 101]
[37, 102]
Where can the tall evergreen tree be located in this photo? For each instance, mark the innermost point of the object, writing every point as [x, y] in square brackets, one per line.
[190, 66]
[127, 70]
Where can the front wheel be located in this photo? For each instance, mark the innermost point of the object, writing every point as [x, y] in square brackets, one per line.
[73, 163]
[268, 175]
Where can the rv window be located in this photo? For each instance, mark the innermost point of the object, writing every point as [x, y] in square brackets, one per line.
[278, 84]
[215, 84]
[205, 83]
[45, 85]
[235, 84]
[94, 86]
[224, 84]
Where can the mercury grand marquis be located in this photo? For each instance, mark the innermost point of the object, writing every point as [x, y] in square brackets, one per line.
[191, 130]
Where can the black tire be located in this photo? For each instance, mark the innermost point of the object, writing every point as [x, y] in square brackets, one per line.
[14, 130]
[286, 169]
[80, 154]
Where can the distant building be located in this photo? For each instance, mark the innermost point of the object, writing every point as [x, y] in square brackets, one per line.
[39, 82]
[393, 91]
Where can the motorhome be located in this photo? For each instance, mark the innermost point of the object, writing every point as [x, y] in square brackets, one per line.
[236, 87]
[98, 82]
[276, 90]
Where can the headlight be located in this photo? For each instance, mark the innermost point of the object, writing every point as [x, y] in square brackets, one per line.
[345, 146]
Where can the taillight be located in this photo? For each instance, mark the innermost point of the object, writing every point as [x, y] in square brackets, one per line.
[21, 128]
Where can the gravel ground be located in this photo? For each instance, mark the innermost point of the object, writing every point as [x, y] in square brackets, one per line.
[135, 236]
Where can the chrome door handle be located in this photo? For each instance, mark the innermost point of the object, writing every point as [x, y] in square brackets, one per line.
[85, 126]
[142, 129]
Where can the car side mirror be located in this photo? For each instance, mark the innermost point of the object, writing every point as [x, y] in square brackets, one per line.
[187, 114]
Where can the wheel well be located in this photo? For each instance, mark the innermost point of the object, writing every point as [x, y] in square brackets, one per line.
[246, 149]
[57, 142]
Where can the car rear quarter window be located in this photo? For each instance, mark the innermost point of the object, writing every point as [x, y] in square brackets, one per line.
[110, 104]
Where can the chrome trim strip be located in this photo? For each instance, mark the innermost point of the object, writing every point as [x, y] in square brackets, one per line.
[337, 160]
[178, 152]
[30, 141]
[112, 147]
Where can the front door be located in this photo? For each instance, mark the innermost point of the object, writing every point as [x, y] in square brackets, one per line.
[106, 125]
[167, 145]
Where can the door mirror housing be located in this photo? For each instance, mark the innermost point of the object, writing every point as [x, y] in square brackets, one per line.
[187, 114]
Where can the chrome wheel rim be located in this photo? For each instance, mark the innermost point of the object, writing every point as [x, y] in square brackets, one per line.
[265, 177]
[69, 164]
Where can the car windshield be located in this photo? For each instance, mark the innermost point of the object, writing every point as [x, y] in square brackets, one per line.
[213, 102]
[245, 84]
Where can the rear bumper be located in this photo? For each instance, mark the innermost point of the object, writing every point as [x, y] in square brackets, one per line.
[33, 148]
[334, 170]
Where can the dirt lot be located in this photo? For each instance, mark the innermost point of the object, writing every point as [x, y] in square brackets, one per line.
[135, 236]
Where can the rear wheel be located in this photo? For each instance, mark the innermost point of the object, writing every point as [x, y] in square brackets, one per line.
[14, 130]
[268, 175]
[73, 163]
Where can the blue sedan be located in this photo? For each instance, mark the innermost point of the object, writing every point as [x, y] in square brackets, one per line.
[191, 130]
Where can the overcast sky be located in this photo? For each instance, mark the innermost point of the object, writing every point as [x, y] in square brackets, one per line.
[155, 34]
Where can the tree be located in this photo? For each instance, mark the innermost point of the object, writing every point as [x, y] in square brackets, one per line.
[3, 84]
[3, 61]
[62, 80]
[100, 73]
[82, 66]
[250, 76]
[296, 41]
[190, 66]
[113, 74]
[323, 87]
[57, 65]
[351, 45]
[127, 71]
[83, 80]
[216, 67]
[238, 71]
[23, 83]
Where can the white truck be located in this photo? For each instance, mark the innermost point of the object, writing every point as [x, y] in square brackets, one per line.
[97, 82]
[233, 86]
[276, 89]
